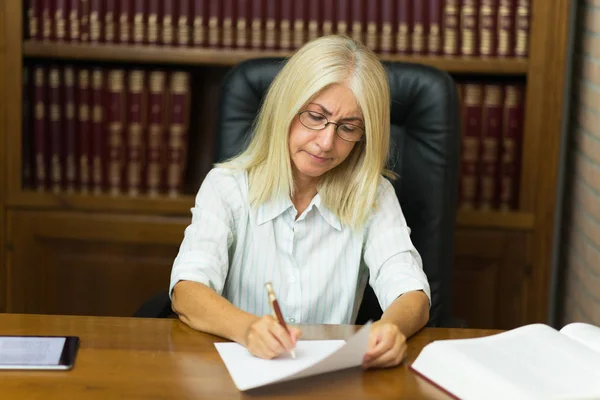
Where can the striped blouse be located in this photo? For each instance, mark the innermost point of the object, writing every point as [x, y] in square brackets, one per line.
[318, 267]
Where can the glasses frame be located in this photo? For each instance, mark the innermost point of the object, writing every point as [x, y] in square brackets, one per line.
[337, 125]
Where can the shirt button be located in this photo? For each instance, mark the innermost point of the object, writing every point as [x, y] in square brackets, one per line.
[292, 320]
[293, 279]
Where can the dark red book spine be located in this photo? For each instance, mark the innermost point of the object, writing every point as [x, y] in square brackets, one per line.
[70, 130]
[469, 28]
[315, 20]
[60, 20]
[300, 22]
[39, 128]
[373, 23]
[111, 15]
[56, 130]
[451, 20]
[522, 28]
[84, 101]
[179, 93]
[471, 142]
[115, 122]
[96, 24]
[387, 26]
[258, 28]
[84, 21]
[342, 18]
[74, 20]
[419, 24]
[125, 21]
[285, 25]
[488, 30]
[156, 155]
[167, 37]
[138, 31]
[136, 131]
[434, 34]
[153, 22]
[47, 18]
[227, 27]
[34, 14]
[506, 28]
[98, 133]
[404, 18]
[357, 16]
[491, 136]
[271, 24]
[328, 17]
[242, 33]
[512, 134]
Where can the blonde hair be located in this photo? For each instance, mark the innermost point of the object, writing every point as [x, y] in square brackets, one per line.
[348, 190]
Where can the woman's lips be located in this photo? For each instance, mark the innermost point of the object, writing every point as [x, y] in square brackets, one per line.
[318, 159]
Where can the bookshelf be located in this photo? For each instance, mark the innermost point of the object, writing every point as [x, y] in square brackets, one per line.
[499, 254]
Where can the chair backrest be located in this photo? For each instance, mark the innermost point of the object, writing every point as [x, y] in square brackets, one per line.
[425, 135]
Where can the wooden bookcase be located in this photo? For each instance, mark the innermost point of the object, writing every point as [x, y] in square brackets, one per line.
[104, 255]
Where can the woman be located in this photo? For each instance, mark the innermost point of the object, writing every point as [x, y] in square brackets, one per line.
[306, 206]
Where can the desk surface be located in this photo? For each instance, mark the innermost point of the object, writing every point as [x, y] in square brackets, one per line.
[138, 358]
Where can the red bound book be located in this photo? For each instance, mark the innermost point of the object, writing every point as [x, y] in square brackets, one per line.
[451, 27]
[40, 128]
[434, 32]
[156, 155]
[471, 142]
[136, 131]
[96, 14]
[74, 17]
[522, 28]
[387, 26]
[285, 24]
[115, 122]
[342, 26]
[491, 135]
[34, 13]
[84, 100]
[214, 23]
[179, 93]
[184, 23]
[418, 34]
[512, 135]
[60, 20]
[328, 18]
[70, 129]
[242, 33]
[47, 17]
[469, 27]
[84, 21]
[167, 36]
[200, 21]
[488, 31]
[357, 16]
[271, 24]
[228, 27]
[404, 18]
[506, 28]
[138, 29]
[125, 21]
[373, 23]
[98, 132]
[153, 21]
[110, 21]
[257, 30]
[314, 25]
[300, 22]
[26, 118]
[56, 129]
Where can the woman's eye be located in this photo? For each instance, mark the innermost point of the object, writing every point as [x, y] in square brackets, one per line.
[316, 117]
[349, 128]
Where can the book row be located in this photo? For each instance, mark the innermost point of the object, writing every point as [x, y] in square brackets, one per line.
[103, 130]
[487, 28]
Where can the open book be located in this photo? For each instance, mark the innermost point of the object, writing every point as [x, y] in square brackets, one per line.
[530, 362]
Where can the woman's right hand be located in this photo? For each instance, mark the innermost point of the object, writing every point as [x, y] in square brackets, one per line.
[266, 338]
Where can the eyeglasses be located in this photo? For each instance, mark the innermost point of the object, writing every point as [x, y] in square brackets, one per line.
[316, 121]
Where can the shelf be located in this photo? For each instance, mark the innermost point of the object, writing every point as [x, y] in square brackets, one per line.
[199, 56]
[515, 220]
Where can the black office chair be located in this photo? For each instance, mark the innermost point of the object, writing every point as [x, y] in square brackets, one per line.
[425, 134]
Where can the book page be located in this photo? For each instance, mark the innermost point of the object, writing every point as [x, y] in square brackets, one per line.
[587, 334]
[312, 357]
[533, 361]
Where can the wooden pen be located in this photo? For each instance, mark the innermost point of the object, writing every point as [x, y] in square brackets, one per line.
[275, 308]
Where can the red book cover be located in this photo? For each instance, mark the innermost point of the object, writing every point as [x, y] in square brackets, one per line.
[242, 23]
[272, 17]
[258, 24]
[115, 122]
[39, 128]
[60, 20]
[214, 23]
[34, 14]
[184, 23]
[167, 37]
[47, 18]
[125, 21]
[179, 93]
[200, 21]
[357, 16]
[139, 22]
[512, 134]
[328, 17]
[136, 131]
[111, 13]
[227, 26]
[419, 24]
[488, 39]
[74, 17]
[56, 129]
[373, 24]
[84, 21]
[26, 118]
[343, 17]
[84, 100]
[469, 27]
[70, 130]
[404, 18]
[506, 28]
[314, 27]
[451, 29]
[285, 25]
[98, 133]
[522, 28]
[491, 135]
[300, 22]
[471, 142]
[387, 26]
[153, 22]
[434, 34]
[156, 160]
[96, 13]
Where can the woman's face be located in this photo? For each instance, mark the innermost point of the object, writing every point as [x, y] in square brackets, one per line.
[314, 152]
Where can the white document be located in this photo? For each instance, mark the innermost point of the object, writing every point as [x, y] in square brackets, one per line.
[313, 357]
[15, 350]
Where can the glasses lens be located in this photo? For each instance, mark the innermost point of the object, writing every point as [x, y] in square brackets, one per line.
[350, 132]
[313, 120]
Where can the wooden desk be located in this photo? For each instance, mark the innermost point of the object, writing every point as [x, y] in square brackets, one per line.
[162, 358]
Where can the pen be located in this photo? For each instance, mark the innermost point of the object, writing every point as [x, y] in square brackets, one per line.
[275, 307]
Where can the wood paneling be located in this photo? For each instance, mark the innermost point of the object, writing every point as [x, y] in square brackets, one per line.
[3, 172]
[73, 263]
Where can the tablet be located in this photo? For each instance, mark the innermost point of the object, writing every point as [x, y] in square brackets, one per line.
[38, 352]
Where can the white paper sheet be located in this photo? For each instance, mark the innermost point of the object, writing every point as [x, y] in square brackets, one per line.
[312, 357]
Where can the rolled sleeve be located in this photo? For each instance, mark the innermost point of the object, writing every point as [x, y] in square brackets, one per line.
[203, 255]
[395, 266]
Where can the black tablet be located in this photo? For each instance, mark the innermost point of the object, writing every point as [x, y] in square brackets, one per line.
[38, 352]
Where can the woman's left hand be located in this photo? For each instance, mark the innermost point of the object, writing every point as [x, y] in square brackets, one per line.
[387, 346]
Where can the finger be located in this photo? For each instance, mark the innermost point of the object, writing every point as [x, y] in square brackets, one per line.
[390, 358]
[295, 333]
[282, 336]
[383, 345]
